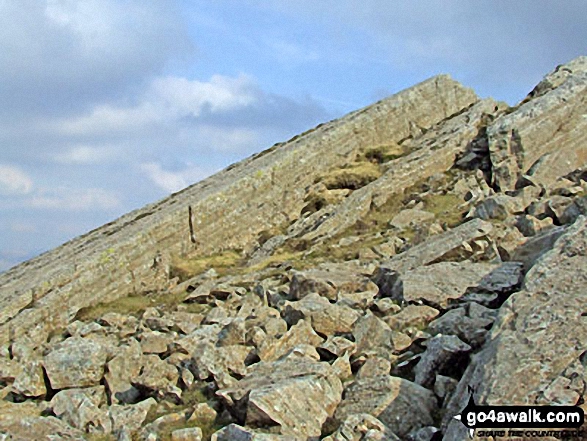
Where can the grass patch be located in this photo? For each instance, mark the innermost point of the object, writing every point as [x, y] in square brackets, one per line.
[136, 305]
[354, 176]
[382, 153]
[221, 262]
[445, 208]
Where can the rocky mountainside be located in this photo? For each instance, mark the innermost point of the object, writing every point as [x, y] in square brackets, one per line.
[352, 283]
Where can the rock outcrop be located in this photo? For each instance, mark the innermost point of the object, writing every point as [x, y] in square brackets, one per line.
[353, 283]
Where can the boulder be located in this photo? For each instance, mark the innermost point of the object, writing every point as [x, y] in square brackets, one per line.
[130, 417]
[76, 362]
[445, 354]
[327, 283]
[399, 404]
[372, 337]
[538, 335]
[300, 333]
[121, 370]
[83, 409]
[298, 394]
[362, 427]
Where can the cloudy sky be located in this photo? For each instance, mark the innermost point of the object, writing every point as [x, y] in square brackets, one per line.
[106, 105]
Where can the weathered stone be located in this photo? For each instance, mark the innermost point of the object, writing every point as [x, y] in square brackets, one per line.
[362, 427]
[573, 211]
[439, 283]
[459, 322]
[326, 283]
[121, 370]
[190, 434]
[202, 414]
[130, 417]
[410, 218]
[77, 362]
[374, 367]
[439, 247]
[372, 337]
[234, 432]
[334, 319]
[411, 316]
[155, 342]
[337, 346]
[83, 409]
[30, 382]
[444, 354]
[423, 434]
[538, 332]
[545, 136]
[399, 404]
[499, 207]
[444, 387]
[300, 333]
[297, 394]
[158, 377]
[25, 428]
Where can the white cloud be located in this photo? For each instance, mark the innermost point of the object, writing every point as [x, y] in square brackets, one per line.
[84, 154]
[289, 53]
[173, 181]
[13, 181]
[70, 199]
[165, 101]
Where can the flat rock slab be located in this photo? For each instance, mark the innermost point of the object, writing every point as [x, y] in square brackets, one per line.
[437, 247]
[539, 335]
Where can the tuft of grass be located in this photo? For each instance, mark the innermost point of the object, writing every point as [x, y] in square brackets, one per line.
[382, 153]
[221, 262]
[134, 305]
[354, 176]
[445, 208]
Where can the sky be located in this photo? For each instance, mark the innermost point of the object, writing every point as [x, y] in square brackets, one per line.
[107, 105]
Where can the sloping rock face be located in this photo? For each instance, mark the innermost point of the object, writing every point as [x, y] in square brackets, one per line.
[353, 283]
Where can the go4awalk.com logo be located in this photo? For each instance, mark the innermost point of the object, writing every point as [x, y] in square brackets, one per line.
[522, 421]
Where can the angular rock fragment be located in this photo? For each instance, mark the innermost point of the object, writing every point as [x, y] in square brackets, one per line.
[83, 409]
[444, 354]
[77, 362]
[362, 427]
[399, 404]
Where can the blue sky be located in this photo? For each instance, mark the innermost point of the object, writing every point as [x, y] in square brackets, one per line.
[106, 105]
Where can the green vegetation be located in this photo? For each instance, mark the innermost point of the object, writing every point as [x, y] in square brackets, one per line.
[221, 262]
[383, 153]
[135, 305]
[445, 208]
[354, 176]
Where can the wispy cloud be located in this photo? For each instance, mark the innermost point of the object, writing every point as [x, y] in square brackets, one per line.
[14, 181]
[172, 181]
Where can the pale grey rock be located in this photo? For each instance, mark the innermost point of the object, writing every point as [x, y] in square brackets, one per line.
[130, 417]
[296, 393]
[234, 432]
[499, 207]
[83, 409]
[545, 136]
[439, 283]
[158, 377]
[443, 355]
[372, 337]
[300, 333]
[423, 434]
[362, 427]
[27, 428]
[155, 342]
[410, 218]
[446, 246]
[189, 434]
[399, 404]
[77, 362]
[411, 316]
[337, 346]
[539, 332]
[326, 318]
[30, 382]
[374, 367]
[122, 370]
[327, 283]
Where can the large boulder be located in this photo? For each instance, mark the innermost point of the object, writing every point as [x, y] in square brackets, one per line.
[76, 362]
[538, 340]
[399, 404]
